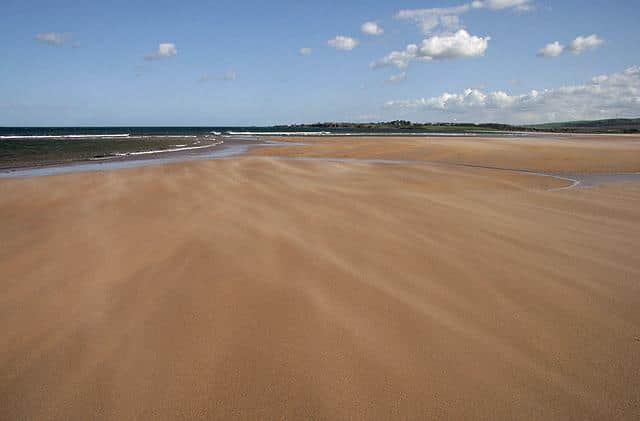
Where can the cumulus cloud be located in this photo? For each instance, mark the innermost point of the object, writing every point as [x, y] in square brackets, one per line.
[371, 28]
[461, 44]
[54, 38]
[343, 43]
[397, 78]
[584, 43]
[448, 18]
[553, 49]
[469, 98]
[400, 59]
[577, 46]
[306, 51]
[229, 76]
[617, 94]
[164, 50]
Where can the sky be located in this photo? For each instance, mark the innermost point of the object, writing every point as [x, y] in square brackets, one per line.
[225, 63]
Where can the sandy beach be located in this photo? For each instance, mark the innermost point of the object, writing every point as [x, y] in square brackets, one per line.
[257, 287]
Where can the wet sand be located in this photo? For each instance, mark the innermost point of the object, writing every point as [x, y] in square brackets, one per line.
[259, 288]
[550, 153]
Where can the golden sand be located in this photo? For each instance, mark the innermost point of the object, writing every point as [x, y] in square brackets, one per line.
[258, 288]
[562, 153]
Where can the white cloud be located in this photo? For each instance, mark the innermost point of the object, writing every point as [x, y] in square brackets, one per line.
[448, 18]
[431, 19]
[439, 47]
[461, 44]
[164, 50]
[343, 43]
[400, 59]
[582, 44]
[229, 76]
[577, 46]
[54, 38]
[446, 101]
[397, 78]
[603, 96]
[518, 5]
[553, 49]
[306, 51]
[371, 28]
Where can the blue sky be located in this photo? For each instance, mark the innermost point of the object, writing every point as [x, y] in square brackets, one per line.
[239, 62]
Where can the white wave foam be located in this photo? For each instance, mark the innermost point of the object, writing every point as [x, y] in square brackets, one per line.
[66, 136]
[171, 136]
[176, 149]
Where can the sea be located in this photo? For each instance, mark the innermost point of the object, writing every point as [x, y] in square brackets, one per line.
[39, 148]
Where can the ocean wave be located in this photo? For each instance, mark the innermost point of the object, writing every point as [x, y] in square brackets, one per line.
[169, 136]
[66, 136]
[99, 136]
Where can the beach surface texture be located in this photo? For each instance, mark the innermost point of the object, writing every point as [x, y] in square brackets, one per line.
[331, 278]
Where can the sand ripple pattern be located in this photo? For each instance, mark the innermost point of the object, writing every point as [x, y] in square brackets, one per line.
[280, 289]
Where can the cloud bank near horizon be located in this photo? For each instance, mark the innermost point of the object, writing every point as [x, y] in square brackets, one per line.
[616, 94]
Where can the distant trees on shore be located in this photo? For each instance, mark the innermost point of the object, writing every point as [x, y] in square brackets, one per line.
[597, 126]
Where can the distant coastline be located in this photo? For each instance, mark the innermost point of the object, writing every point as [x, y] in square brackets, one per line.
[29, 147]
[625, 125]
[608, 126]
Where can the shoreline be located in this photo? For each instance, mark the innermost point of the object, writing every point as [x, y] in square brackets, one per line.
[180, 152]
[239, 145]
[232, 138]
